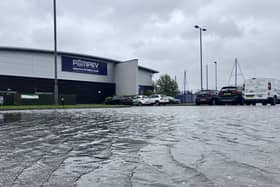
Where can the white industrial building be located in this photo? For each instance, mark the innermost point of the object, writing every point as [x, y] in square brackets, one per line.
[90, 78]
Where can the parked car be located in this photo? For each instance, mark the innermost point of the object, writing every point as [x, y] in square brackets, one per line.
[141, 100]
[159, 99]
[172, 100]
[261, 90]
[120, 100]
[231, 95]
[207, 97]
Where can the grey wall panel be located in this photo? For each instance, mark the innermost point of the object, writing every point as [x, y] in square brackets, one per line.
[27, 64]
[126, 76]
[42, 65]
[145, 78]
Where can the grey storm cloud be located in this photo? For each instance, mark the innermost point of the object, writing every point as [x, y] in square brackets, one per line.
[159, 33]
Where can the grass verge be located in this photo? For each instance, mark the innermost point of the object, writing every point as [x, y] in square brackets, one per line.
[44, 107]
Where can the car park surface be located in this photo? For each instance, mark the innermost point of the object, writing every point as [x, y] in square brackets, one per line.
[142, 146]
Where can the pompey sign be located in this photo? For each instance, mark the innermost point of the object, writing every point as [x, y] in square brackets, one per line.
[77, 65]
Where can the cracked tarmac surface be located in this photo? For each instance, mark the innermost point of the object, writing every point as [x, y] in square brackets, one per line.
[141, 146]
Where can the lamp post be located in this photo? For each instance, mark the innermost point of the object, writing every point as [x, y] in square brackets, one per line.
[55, 56]
[185, 80]
[200, 37]
[216, 79]
[207, 77]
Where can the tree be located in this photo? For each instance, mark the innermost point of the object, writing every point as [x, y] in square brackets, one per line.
[167, 86]
[148, 92]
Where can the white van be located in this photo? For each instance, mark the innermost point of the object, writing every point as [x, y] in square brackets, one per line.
[261, 90]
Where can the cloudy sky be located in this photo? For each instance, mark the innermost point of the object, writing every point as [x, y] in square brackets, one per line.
[159, 33]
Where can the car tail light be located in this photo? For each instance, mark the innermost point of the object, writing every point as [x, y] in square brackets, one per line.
[236, 92]
[269, 86]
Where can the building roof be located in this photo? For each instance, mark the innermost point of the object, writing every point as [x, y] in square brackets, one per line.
[45, 51]
[148, 69]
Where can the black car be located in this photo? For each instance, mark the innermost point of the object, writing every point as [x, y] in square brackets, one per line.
[207, 97]
[120, 100]
[231, 95]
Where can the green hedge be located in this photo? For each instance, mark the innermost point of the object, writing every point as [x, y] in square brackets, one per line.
[44, 99]
[68, 99]
[9, 99]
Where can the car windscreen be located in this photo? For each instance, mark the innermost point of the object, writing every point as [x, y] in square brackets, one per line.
[229, 88]
[206, 92]
[203, 92]
[153, 96]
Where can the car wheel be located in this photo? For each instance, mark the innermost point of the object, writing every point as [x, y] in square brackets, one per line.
[264, 103]
[213, 102]
[139, 104]
[241, 101]
[157, 103]
[197, 103]
[273, 101]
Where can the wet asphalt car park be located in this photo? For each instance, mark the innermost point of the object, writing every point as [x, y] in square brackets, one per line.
[142, 146]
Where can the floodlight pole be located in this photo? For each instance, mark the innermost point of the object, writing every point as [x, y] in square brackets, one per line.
[207, 78]
[201, 64]
[236, 64]
[55, 56]
[201, 71]
[216, 76]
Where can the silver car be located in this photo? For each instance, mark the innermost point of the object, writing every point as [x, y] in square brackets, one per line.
[141, 100]
[159, 99]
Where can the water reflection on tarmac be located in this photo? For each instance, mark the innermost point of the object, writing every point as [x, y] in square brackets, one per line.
[142, 146]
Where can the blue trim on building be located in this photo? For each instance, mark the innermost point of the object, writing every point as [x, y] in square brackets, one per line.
[142, 89]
